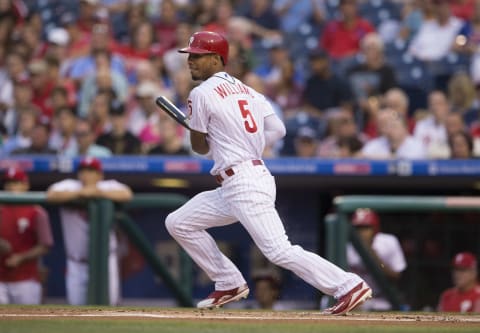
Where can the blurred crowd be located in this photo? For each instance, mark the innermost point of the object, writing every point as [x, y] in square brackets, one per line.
[350, 78]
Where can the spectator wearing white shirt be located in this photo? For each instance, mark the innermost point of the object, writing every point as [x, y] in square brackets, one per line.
[436, 37]
[431, 131]
[394, 140]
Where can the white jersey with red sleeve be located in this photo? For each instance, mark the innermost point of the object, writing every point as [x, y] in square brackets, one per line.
[232, 115]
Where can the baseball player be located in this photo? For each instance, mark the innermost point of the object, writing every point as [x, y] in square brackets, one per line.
[464, 296]
[232, 123]
[385, 249]
[25, 236]
[90, 184]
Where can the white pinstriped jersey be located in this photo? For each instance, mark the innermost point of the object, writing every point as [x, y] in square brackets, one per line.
[232, 114]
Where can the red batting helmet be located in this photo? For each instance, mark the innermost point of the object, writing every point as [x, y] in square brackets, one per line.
[365, 217]
[207, 42]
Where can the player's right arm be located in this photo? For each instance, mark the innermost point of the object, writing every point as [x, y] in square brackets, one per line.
[274, 129]
[198, 121]
[199, 142]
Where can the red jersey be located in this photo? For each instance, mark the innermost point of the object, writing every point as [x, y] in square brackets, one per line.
[340, 41]
[453, 300]
[23, 226]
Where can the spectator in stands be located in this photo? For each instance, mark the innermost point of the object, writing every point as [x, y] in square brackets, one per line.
[285, 90]
[394, 140]
[99, 112]
[166, 24]
[306, 142]
[90, 183]
[461, 145]
[58, 48]
[14, 70]
[60, 99]
[79, 41]
[101, 41]
[22, 100]
[42, 86]
[335, 91]
[30, 36]
[22, 138]
[86, 141]
[349, 147]
[63, 138]
[224, 12]
[87, 15]
[435, 38]
[374, 76]
[39, 139]
[271, 70]
[294, 13]
[203, 12]
[53, 69]
[463, 9]
[267, 288]
[462, 96]
[454, 123]
[340, 125]
[144, 114]
[139, 47]
[25, 237]
[341, 37]
[464, 296]
[384, 249]
[467, 43]
[395, 99]
[119, 139]
[431, 131]
[261, 13]
[175, 62]
[104, 78]
[172, 139]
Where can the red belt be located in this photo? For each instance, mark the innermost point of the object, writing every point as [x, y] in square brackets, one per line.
[229, 172]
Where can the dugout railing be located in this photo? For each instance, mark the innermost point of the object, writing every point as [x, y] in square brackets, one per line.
[102, 215]
[339, 231]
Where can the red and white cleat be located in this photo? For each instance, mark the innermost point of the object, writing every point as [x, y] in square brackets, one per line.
[350, 300]
[221, 297]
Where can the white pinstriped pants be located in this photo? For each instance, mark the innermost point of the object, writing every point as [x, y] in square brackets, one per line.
[249, 197]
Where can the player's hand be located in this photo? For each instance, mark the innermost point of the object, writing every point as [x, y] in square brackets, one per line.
[14, 260]
[89, 192]
[5, 246]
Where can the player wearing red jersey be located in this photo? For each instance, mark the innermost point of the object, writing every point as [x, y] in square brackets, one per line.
[25, 236]
[465, 294]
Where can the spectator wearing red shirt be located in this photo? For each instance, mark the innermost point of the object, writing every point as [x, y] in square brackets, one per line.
[25, 236]
[463, 9]
[341, 38]
[464, 296]
[42, 86]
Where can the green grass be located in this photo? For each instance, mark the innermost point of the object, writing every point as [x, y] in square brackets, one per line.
[98, 319]
[89, 325]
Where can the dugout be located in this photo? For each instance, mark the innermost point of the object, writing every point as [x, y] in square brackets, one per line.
[306, 189]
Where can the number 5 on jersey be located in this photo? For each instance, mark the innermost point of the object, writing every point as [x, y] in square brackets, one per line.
[250, 124]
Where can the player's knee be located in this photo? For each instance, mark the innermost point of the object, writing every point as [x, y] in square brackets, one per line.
[279, 256]
[171, 223]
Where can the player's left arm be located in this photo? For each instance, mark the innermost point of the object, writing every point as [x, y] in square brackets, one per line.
[118, 193]
[274, 129]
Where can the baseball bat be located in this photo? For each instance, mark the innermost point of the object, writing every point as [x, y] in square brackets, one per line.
[171, 109]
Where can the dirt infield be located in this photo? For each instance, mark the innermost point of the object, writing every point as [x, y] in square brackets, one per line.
[422, 319]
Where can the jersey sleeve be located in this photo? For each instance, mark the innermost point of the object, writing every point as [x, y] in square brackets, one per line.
[65, 186]
[265, 105]
[44, 231]
[198, 111]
